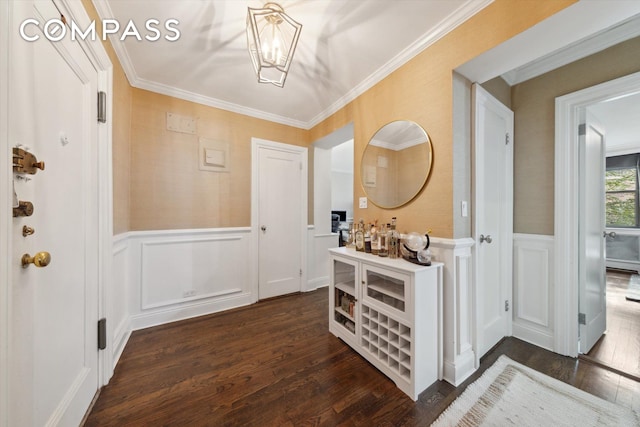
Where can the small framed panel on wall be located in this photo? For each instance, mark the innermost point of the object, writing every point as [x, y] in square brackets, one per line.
[213, 156]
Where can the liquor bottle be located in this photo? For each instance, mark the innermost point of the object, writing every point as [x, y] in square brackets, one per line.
[383, 249]
[393, 240]
[367, 239]
[375, 241]
[359, 239]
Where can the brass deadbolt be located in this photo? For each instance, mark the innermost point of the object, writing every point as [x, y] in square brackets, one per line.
[27, 231]
[41, 259]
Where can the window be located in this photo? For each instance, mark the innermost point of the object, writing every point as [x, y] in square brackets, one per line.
[621, 186]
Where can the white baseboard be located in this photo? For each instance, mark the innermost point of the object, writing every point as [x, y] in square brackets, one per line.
[318, 282]
[458, 370]
[121, 335]
[540, 338]
[188, 311]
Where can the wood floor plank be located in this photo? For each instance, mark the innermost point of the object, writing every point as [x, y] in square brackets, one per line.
[619, 347]
[275, 363]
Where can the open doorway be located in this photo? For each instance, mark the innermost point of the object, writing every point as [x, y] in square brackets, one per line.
[619, 347]
[320, 236]
[342, 189]
[569, 111]
[333, 181]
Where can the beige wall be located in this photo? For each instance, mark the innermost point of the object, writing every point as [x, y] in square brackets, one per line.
[533, 103]
[168, 191]
[499, 89]
[421, 91]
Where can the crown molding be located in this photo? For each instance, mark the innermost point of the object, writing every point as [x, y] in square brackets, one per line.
[575, 51]
[105, 12]
[216, 103]
[464, 12]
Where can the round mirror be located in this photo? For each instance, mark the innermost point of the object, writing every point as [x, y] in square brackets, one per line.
[396, 164]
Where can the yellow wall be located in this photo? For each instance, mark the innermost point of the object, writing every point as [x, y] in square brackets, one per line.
[156, 181]
[421, 91]
[533, 103]
[168, 191]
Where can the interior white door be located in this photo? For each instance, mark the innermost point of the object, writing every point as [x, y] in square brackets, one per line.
[280, 203]
[53, 352]
[592, 277]
[493, 217]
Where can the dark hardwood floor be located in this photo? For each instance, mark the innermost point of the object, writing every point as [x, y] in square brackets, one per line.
[275, 364]
[619, 347]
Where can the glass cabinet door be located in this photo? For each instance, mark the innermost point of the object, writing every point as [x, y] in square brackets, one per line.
[386, 289]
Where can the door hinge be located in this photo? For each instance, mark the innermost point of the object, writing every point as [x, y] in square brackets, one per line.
[102, 334]
[300, 272]
[506, 305]
[300, 165]
[506, 138]
[582, 129]
[102, 107]
[582, 319]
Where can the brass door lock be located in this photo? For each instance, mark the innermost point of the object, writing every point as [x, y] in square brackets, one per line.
[27, 231]
[41, 259]
[23, 209]
[25, 162]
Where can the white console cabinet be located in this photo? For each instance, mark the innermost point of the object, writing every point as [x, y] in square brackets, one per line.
[389, 311]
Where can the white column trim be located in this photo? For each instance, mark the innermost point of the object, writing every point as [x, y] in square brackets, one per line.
[459, 355]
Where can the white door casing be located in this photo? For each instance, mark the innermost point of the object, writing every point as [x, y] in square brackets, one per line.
[592, 279]
[569, 112]
[492, 127]
[279, 217]
[51, 87]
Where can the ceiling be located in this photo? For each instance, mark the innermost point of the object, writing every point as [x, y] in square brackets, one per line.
[619, 118]
[345, 48]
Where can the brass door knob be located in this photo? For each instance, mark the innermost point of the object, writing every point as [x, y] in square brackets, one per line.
[41, 259]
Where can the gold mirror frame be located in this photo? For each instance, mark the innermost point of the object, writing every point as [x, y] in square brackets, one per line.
[396, 164]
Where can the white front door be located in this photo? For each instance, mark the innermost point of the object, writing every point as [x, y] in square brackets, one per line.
[591, 264]
[493, 217]
[53, 356]
[281, 218]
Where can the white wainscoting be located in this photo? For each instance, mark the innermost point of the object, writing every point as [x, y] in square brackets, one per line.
[178, 274]
[169, 275]
[533, 290]
[318, 254]
[458, 317]
[118, 320]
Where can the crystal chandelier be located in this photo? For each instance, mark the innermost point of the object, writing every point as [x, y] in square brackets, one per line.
[272, 37]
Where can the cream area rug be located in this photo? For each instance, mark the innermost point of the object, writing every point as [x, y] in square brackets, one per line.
[511, 394]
